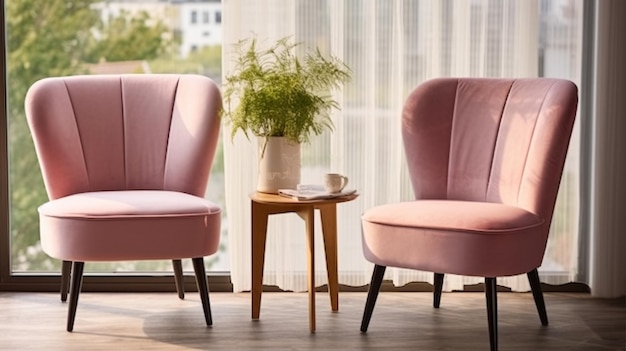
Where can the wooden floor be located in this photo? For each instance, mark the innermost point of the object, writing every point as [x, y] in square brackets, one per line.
[401, 321]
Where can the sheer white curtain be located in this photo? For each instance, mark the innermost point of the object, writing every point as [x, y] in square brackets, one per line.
[392, 46]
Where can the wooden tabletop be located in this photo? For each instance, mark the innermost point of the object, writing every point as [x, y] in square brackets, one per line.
[278, 199]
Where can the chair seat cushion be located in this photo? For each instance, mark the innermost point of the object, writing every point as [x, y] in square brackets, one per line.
[129, 225]
[441, 235]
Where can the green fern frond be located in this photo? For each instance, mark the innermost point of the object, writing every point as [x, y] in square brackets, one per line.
[279, 94]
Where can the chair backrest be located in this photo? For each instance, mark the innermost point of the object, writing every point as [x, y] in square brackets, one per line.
[122, 132]
[491, 140]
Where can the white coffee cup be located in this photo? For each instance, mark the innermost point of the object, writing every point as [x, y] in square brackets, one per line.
[335, 182]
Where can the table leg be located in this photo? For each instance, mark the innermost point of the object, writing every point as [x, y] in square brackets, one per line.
[328, 214]
[308, 216]
[259, 235]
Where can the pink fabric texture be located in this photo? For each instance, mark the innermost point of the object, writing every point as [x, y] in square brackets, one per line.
[126, 161]
[485, 158]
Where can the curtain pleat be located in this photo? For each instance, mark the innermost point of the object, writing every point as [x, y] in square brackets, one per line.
[608, 258]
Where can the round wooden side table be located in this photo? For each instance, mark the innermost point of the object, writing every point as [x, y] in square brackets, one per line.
[264, 205]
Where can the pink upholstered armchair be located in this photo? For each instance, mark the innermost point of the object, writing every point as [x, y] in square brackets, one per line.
[485, 158]
[125, 162]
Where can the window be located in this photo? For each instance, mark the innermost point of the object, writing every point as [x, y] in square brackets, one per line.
[83, 43]
[391, 47]
[404, 41]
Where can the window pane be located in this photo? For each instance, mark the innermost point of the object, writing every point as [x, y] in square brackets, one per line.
[61, 37]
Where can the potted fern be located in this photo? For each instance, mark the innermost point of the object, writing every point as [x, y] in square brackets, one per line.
[283, 100]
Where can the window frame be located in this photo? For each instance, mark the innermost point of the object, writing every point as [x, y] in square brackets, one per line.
[218, 281]
[50, 282]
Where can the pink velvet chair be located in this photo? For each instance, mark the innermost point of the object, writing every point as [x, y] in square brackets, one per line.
[125, 162]
[485, 157]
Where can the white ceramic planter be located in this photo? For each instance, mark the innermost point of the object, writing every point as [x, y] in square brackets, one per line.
[279, 165]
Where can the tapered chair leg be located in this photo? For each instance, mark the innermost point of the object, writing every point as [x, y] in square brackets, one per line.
[535, 285]
[178, 278]
[77, 282]
[492, 311]
[377, 279]
[66, 269]
[438, 286]
[203, 288]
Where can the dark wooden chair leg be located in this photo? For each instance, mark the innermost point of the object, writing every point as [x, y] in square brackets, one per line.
[492, 311]
[66, 270]
[203, 288]
[377, 279]
[438, 286]
[535, 285]
[178, 277]
[77, 282]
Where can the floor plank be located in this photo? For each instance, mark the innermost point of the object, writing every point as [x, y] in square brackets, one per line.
[401, 321]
